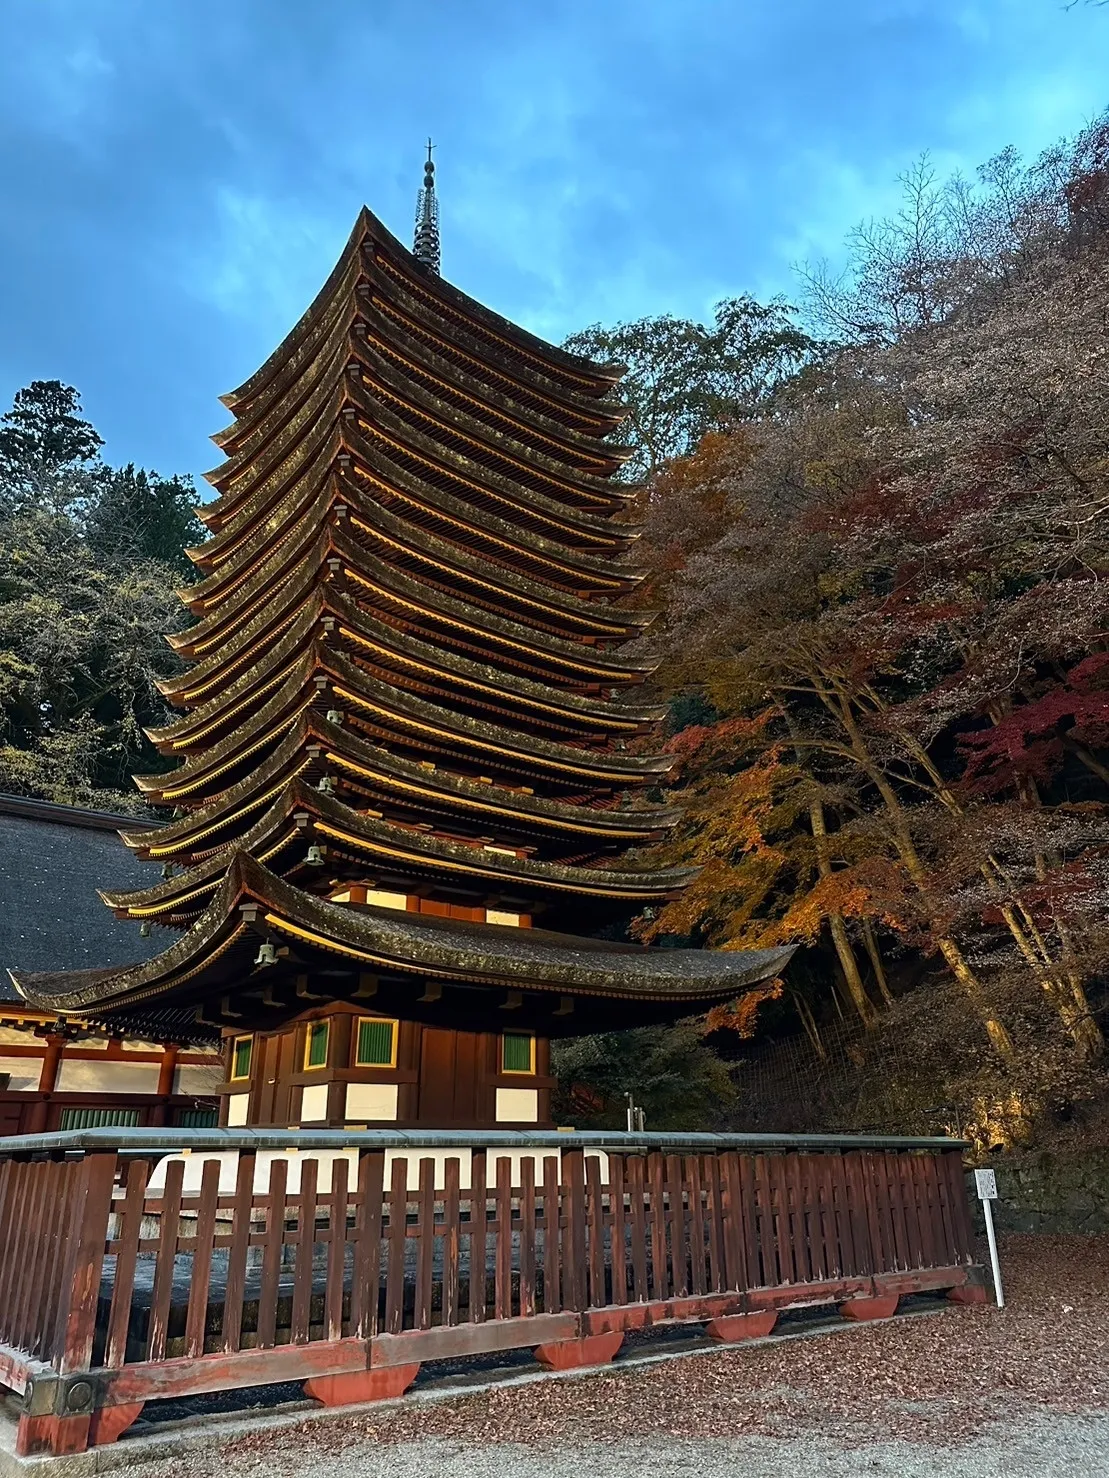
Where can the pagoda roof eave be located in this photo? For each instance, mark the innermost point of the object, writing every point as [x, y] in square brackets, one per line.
[496, 745]
[593, 511]
[444, 789]
[498, 391]
[244, 491]
[499, 637]
[513, 592]
[357, 335]
[338, 825]
[386, 845]
[295, 567]
[593, 381]
[379, 378]
[211, 956]
[602, 376]
[386, 295]
[386, 436]
[579, 537]
[599, 618]
[551, 558]
[535, 700]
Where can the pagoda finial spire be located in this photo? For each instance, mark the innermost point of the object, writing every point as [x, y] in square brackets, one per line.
[426, 244]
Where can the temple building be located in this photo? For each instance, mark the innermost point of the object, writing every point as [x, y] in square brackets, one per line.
[411, 757]
[59, 1075]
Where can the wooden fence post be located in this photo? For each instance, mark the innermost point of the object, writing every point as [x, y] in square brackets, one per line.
[81, 1283]
[67, 1430]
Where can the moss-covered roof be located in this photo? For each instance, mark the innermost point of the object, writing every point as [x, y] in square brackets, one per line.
[211, 960]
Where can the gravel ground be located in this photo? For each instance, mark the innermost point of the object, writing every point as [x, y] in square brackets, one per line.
[971, 1393]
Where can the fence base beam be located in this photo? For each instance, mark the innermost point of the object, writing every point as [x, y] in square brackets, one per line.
[969, 1293]
[870, 1308]
[55, 1435]
[732, 1328]
[381, 1384]
[577, 1354]
[110, 1422]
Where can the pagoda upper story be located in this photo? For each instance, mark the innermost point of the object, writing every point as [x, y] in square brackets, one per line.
[405, 673]
[406, 685]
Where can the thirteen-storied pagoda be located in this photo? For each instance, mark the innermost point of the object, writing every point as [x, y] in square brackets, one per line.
[409, 767]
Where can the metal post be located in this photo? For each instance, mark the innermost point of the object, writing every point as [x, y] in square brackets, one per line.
[985, 1183]
[987, 1210]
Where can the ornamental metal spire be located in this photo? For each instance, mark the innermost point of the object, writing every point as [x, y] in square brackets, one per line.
[426, 244]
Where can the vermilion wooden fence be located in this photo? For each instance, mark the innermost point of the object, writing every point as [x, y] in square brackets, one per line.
[114, 1292]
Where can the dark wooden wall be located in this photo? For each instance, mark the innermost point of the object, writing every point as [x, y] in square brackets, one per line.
[444, 1078]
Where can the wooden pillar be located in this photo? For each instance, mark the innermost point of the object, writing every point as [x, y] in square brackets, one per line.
[85, 1259]
[48, 1077]
[159, 1114]
[69, 1346]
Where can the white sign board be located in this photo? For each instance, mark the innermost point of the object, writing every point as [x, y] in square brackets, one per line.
[985, 1183]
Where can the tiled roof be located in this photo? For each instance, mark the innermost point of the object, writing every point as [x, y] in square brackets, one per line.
[52, 859]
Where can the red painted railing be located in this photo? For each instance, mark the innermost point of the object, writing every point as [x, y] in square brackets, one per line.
[115, 1291]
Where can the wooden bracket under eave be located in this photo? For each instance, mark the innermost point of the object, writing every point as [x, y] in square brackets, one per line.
[367, 986]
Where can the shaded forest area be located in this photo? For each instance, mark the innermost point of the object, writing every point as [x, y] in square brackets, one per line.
[876, 532]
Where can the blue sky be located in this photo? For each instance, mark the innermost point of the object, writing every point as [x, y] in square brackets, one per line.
[178, 176]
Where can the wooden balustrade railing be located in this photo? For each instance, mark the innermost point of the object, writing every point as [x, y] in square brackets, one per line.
[122, 1284]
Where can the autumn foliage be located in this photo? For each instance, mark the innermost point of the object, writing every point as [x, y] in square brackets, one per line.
[886, 600]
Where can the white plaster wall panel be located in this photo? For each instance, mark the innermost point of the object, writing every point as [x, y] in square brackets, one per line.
[20, 1036]
[196, 1079]
[517, 1105]
[367, 1102]
[106, 1077]
[25, 1073]
[294, 1160]
[313, 1104]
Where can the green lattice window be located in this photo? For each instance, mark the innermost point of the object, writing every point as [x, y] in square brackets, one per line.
[240, 1057]
[98, 1118]
[517, 1053]
[377, 1043]
[197, 1118]
[315, 1044]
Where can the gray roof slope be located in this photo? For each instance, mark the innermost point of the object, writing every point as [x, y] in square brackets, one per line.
[52, 860]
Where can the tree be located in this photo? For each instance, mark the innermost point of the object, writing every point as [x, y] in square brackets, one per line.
[887, 593]
[88, 562]
[685, 378]
[672, 1073]
[139, 516]
[48, 451]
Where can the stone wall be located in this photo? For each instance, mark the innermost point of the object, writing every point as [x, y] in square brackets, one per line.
[1047, 1192]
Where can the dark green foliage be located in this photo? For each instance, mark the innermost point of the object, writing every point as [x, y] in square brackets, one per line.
[673, 1075]
[687, 710]
[89, 557]
[686, 378]
[139, 516]
[48, 452]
